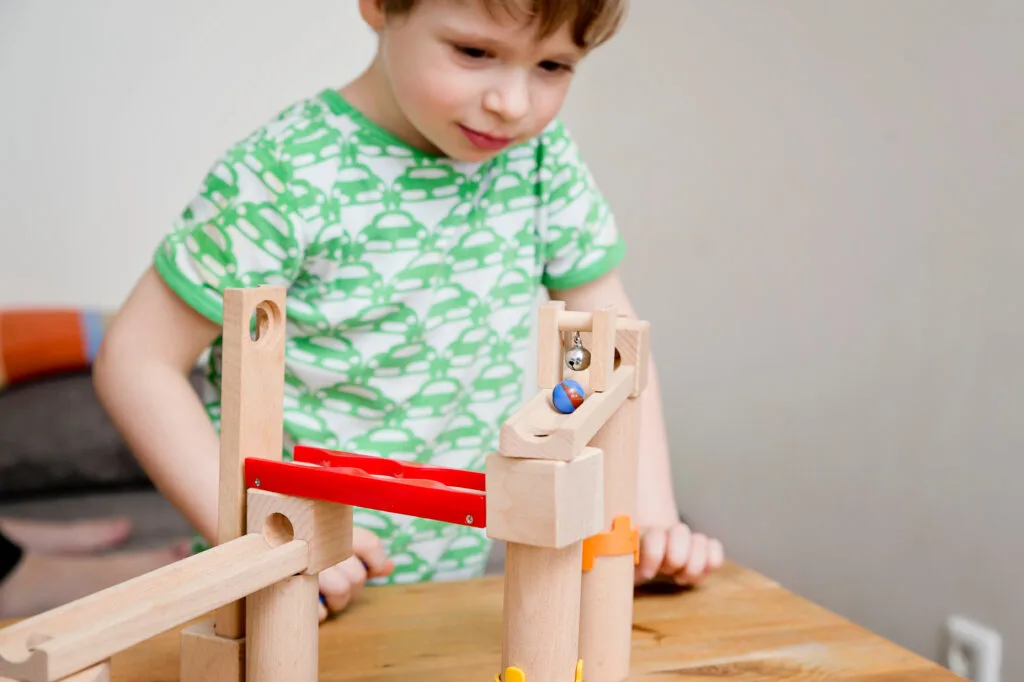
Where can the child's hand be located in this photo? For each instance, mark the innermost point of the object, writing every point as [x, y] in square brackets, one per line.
[677, 553]
[342, 583]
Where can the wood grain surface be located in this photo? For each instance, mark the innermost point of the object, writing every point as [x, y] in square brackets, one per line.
[738, 625]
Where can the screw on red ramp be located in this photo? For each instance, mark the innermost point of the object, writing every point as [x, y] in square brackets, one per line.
[428, 492]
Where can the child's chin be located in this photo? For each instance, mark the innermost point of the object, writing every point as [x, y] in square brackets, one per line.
[469, 154]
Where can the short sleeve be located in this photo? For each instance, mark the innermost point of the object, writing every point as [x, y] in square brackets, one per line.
[242, 229]
[579, 235]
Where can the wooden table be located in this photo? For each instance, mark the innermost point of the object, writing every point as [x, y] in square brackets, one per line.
[737, 625]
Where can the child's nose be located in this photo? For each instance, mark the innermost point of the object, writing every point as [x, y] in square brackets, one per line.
[510, 99]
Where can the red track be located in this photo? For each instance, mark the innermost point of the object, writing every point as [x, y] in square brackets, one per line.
[428, 492]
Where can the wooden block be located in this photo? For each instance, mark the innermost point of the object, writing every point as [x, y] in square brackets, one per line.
[633, 345]
[549, 345]
[207, 657]
[325, 526]
[545, 503]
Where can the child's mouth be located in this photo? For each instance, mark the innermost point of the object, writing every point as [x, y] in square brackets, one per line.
[485, 141]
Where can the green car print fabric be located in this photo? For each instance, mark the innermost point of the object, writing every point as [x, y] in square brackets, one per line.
[412, 285]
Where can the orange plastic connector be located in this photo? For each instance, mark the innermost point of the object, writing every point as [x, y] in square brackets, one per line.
[623, 538]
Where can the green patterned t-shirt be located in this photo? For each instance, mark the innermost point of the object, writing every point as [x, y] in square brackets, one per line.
[412, 283]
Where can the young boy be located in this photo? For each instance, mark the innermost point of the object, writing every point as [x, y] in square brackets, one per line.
[414, 215]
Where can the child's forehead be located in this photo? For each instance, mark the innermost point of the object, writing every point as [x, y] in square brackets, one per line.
[508, 14]
[498, 20]
[586, 24]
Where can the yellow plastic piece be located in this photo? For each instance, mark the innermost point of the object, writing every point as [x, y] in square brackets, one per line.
[517, 675]
[511, 675]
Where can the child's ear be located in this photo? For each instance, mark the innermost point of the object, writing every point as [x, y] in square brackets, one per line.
[373, 14]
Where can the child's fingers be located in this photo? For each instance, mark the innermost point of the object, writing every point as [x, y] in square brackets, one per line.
[697, 561]
[677, 549]
[336, 586]
[356, 572]
[652, 552]
[370, 550]
[716, 554]
[335, 590]
[376, 562]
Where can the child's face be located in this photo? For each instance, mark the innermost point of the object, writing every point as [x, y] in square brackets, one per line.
[471, 84]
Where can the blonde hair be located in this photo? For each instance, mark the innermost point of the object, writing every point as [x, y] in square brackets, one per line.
[592, 21]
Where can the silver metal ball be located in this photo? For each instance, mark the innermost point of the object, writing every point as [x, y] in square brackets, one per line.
[578, 359]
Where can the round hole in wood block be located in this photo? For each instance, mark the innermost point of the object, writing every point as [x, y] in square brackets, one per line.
[264, 320]
[618, 359]
[278, 530]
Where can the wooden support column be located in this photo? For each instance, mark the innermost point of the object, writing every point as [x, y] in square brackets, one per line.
[606, 604]
[542, 606]
[543, 510]
[252, 416]
[545, 493]
[252, 409]
[282, 632]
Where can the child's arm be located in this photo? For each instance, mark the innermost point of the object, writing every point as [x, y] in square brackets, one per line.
[667, 545]
[141, 375]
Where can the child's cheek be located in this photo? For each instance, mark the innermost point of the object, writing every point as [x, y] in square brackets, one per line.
[442, 92]
[452, 85]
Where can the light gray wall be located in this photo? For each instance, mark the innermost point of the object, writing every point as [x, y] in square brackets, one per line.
[830, 195]
[823, 206]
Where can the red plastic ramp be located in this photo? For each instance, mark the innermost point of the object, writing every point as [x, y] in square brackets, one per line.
[428, 492]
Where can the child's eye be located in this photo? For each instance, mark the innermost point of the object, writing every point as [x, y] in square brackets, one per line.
[472, 52]
[555, 67]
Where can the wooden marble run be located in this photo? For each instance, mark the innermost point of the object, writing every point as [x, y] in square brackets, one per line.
[560, 491]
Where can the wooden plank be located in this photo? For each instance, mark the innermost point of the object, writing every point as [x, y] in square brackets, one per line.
[538, 431]
[89, 631]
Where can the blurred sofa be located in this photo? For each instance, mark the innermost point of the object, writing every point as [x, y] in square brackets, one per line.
[62, 459]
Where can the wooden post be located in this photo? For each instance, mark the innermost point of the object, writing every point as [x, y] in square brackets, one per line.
[543, 509]
[252, 409]
[282, 628]
[544, 498]
[541, 613]
[252, 416]
[282, 632]
[606, 604]
[549, 344]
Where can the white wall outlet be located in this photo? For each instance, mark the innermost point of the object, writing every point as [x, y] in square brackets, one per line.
[974, 651]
